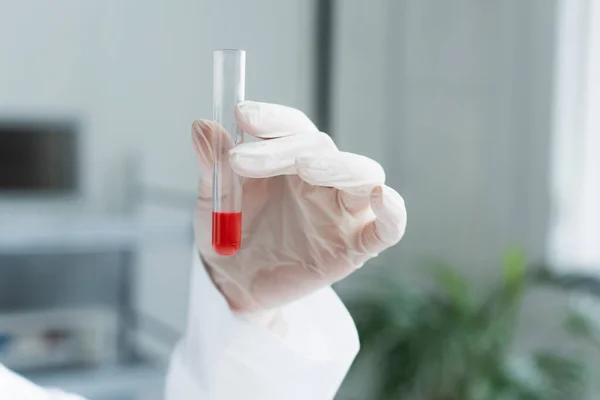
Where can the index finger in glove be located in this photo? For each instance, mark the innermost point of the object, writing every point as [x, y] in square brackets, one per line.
[353, 174]
[274, 157]
[267, 121]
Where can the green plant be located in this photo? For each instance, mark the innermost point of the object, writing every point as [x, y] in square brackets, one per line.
[445, 344]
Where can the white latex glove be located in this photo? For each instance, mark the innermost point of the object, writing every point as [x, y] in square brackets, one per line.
[311, 214]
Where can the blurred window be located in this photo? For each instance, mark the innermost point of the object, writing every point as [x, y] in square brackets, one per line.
[575, 235]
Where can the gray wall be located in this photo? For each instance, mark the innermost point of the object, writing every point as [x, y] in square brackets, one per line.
[454, 99]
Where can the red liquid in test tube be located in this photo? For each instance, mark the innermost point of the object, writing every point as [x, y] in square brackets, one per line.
[226, 232]
[228, 91]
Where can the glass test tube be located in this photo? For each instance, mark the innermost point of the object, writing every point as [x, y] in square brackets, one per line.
[228, 90]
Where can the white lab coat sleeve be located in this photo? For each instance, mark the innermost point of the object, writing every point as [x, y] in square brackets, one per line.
[224, 356]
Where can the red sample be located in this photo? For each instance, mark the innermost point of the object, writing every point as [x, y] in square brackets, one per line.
[226, 232]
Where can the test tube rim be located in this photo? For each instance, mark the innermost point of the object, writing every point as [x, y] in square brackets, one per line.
[230, 51]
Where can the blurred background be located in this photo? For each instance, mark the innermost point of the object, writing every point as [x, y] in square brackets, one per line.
[483, 113]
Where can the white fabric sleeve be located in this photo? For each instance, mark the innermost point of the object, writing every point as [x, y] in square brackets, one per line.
[223, 356]
[15, 387]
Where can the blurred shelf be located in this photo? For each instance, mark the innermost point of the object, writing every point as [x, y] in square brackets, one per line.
[135, 380]
[80, 232]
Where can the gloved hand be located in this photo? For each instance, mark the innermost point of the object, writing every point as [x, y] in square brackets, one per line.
[311, 214]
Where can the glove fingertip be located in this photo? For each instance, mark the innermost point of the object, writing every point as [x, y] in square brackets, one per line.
[247, 114]
[390, 211]
[267, 120]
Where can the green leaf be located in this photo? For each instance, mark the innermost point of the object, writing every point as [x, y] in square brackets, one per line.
[445, 344]
[564, 376]
[453, 284]
[582, 326]
[514, 268]
[371, 319]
